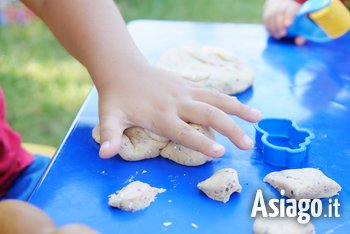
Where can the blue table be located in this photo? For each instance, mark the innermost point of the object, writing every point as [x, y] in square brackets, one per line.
[308, 84]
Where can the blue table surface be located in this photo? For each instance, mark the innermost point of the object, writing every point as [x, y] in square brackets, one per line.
[308, 84]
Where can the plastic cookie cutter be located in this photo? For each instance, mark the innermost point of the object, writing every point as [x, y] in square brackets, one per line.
[321, 20]
[282, 142]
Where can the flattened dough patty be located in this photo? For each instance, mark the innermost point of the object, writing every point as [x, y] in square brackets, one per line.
[278, 225]
[135, 196]
[308, 183]
[209, 67]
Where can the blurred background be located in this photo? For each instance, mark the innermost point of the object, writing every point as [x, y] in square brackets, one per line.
[45, 87]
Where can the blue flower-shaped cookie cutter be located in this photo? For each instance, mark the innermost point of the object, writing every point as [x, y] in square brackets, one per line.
[282, 142]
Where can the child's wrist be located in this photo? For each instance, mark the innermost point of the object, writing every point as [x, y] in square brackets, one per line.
[114, 71]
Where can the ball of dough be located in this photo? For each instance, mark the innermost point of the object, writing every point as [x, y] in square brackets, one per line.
[135, 196]
[221, 185]
[209, 67]
[283, 225]
[186, 156]
[303, 183]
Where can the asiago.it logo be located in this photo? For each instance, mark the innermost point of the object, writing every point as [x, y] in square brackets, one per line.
[303, 209]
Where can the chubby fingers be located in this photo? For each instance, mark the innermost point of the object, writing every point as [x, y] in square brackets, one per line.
[274, 22]
[280, 27]
[289, 14]
[207, 115]
[182, 133]
[229, 104]
[278, 18]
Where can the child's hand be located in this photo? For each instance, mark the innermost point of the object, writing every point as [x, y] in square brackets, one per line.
[131, 92]
[278, 16]
[163, 103]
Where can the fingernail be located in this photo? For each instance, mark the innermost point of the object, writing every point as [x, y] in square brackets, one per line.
[217, 147]
[247, 141]
[255, 113]
[104, 145]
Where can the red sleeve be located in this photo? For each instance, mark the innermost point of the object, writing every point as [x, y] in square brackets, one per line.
[13, 159]
[346, 2]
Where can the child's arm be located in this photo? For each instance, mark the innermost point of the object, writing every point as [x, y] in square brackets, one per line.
[131, 92]
[278, 15]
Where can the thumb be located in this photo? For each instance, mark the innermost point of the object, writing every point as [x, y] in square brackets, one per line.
[111, 131]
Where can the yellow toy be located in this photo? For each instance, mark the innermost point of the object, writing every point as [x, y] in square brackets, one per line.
[321, 20]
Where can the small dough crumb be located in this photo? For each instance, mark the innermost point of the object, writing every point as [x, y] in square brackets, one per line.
[302, 183]
[221, 185]
[194, 225]
[167, 224]
[283, 225]
[135, 196]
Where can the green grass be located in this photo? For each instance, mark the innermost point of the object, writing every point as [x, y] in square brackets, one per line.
[44, 86]
[247, 11]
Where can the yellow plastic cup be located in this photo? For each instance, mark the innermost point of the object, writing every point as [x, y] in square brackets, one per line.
[333, 19]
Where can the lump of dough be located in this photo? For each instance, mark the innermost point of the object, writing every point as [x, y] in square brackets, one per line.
[96, 134]
[221, 185]
[285, 225]
[135, 196]
[209, 67]
[186, 156]
[303, 183]
[138, 144]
